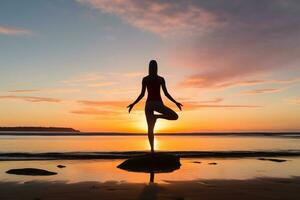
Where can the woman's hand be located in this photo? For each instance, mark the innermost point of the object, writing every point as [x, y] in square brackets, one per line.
[130, 107]
[179, 105]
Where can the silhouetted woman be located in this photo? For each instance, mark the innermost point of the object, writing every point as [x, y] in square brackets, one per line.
[153, 83]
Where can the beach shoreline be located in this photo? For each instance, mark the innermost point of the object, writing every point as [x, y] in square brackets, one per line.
[197, 178]
[15, 156]
[258, 188]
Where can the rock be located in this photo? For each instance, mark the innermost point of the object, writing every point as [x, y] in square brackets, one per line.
[198, 162]
[31, 172]
[272, 159]
[213, 163]
[60, 166]
[155, 162]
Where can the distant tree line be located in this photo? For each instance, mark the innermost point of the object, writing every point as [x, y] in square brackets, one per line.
[46, 129]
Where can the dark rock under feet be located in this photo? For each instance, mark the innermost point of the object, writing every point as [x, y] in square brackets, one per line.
[152, 162]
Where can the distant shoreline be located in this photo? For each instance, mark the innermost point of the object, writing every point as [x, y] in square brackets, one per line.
[37, 129]
[74, 133]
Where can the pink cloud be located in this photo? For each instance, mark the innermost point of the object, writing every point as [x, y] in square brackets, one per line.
[250, 43]
[286, 81]
[94, 111]
[104, 103]
[261, 91]
[32, 98]
[101, 84]
[295, 101]
[192, 105]
[134, 74]
[199, 81]
[47, 90]
[82, 78]
[160, 17]
[221, 47]
[5, 30]
[215, 100]
[22, 91]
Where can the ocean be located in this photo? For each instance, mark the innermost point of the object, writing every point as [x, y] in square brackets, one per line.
[95, 158]
[228, 143]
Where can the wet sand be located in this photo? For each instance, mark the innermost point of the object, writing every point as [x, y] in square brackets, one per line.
[258, 188]
[197, 178]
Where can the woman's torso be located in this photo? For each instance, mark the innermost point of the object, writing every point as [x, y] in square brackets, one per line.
[153, 85]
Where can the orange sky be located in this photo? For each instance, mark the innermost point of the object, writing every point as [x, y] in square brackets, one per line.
[80, 63]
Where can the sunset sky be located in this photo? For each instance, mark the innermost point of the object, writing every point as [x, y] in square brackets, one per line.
[234, 65]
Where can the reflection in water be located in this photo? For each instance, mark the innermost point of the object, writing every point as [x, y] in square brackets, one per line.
[151, 190]
[151, 163]
[106, 170]
[151, 177]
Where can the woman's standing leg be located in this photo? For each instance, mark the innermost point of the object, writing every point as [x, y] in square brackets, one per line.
[151, 123]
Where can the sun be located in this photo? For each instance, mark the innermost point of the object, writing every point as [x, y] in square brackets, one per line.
[159, 125]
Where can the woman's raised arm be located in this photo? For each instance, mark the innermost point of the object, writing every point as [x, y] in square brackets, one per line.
[163, 84]
[142, 94]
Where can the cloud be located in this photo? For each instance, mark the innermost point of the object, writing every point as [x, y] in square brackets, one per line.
[117, 91]
[22, 91]
[193, 105]
[196, 81]
[5, 30]
[47, 90]
[104, 103]
[134, 74]
[295, 101]
[32, 98]
[215, 100]
[101, 84]
[199, 82]
[257, 38]
[188, 105]
[92, 80]
[59, 90]
[164, 18]
[94, 111]
[83, 78]
[120, 105]
[286, 81]
[105, 108]
[224, 43]
[261, 91]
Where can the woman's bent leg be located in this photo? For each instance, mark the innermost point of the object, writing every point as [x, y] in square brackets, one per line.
[166, 113]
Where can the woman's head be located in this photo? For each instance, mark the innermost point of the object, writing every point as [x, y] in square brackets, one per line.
[153, 68]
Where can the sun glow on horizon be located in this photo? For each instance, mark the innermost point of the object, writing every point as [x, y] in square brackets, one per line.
[160, 125]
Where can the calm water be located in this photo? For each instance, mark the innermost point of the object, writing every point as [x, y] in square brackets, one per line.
[106, 170]
[140, 143]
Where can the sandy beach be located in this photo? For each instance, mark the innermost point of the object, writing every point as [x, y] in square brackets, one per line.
[259, 188]
[197, 178]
